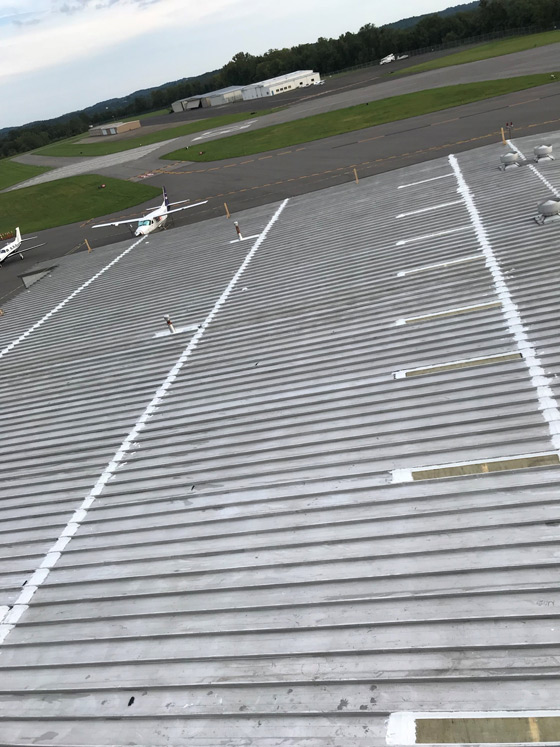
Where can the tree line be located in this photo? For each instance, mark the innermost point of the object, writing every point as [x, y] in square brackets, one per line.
[326, 56]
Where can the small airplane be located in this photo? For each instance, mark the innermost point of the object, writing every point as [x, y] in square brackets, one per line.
[14, 247]
[388, 59]
[155, 219]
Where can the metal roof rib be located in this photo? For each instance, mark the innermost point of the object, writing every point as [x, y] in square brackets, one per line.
[253, 531]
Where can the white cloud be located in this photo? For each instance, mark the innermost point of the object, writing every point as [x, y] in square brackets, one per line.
[80, 28]
[57, 56]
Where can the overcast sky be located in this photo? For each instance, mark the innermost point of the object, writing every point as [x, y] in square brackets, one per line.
[57, 56]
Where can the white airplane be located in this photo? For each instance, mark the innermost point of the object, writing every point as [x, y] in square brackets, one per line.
[388, 59]
[155, 219]
[14, 247]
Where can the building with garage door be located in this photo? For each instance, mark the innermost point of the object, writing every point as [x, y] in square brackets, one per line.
[214, 98]
[114, 128]
[282, 83]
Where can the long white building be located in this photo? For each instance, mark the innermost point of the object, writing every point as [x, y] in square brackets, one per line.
[282, 83]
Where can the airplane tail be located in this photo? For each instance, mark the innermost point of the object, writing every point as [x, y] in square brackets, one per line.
[165, 198]
[18, 234]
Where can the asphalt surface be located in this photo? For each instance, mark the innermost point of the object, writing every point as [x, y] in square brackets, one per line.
[247, 182]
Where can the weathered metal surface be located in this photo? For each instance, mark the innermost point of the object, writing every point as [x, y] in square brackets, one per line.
[251, 573]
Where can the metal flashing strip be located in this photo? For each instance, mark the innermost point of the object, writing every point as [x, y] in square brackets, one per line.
[30, 278]
[438, 235]
[476, 728]
[449, 312]
[178, 330]
[430, 209]
[425, 181]
[476, 467]
[439, 265]
[10, 618]
[486, 360]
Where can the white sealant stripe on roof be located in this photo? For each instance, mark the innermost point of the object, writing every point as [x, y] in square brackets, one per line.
[535, 171]
[12, 617]
[436, 235]
[401, 729]
[245, 238]
[63, 303]
[425, 181]
[439, 265]
[543, 385]
[430, 209]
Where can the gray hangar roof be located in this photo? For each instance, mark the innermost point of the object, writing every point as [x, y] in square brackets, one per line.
[325, 513]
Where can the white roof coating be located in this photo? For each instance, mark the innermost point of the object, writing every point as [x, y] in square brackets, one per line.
[238, 535]
[281, 79]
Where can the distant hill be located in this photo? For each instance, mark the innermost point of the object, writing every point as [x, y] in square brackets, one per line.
[112, 104]
[406, 23]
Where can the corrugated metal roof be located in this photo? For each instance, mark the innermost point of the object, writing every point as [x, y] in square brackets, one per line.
[251, 559]
[210, 94]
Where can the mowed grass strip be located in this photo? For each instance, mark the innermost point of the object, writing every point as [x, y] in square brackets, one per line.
[72, 146]
[69, 200]
[12, 172]
[355, 118]
[487, 51]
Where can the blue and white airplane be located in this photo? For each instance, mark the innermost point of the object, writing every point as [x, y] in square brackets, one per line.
[155, 219]
[13, 247]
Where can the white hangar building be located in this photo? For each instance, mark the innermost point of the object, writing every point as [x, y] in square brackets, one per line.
[282, 83]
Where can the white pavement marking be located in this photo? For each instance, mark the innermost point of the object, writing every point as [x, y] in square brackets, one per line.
[429, 209]
[425, 181]
[245, 238]
[9, 620]
[542, 383]
[217, 133]
[403, 374]
[434, 235]
[61, 305]
[405, 475]
[401, 729]
[543, 179]
[439, 265]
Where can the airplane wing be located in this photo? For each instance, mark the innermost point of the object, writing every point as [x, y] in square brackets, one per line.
[116, 223]
[29, 248]
[196, 204]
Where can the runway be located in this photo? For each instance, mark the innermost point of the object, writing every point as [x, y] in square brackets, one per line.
[256, 180]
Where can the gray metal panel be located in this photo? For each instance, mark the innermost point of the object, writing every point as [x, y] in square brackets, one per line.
[251, 573]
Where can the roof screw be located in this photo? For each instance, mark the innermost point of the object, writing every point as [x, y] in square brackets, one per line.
[169, 324]
[239, 236]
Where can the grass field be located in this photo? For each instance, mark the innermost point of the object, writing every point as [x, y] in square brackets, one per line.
[487, 51]
[356, 118]
[69, 200]
[72, 147]
[12, 172]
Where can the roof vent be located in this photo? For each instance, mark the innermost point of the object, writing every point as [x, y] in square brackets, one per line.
[548, 211]
[510, 161]
[543, 153]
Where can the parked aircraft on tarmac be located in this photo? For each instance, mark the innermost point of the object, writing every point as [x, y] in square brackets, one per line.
[155, 219]
[14, 247]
